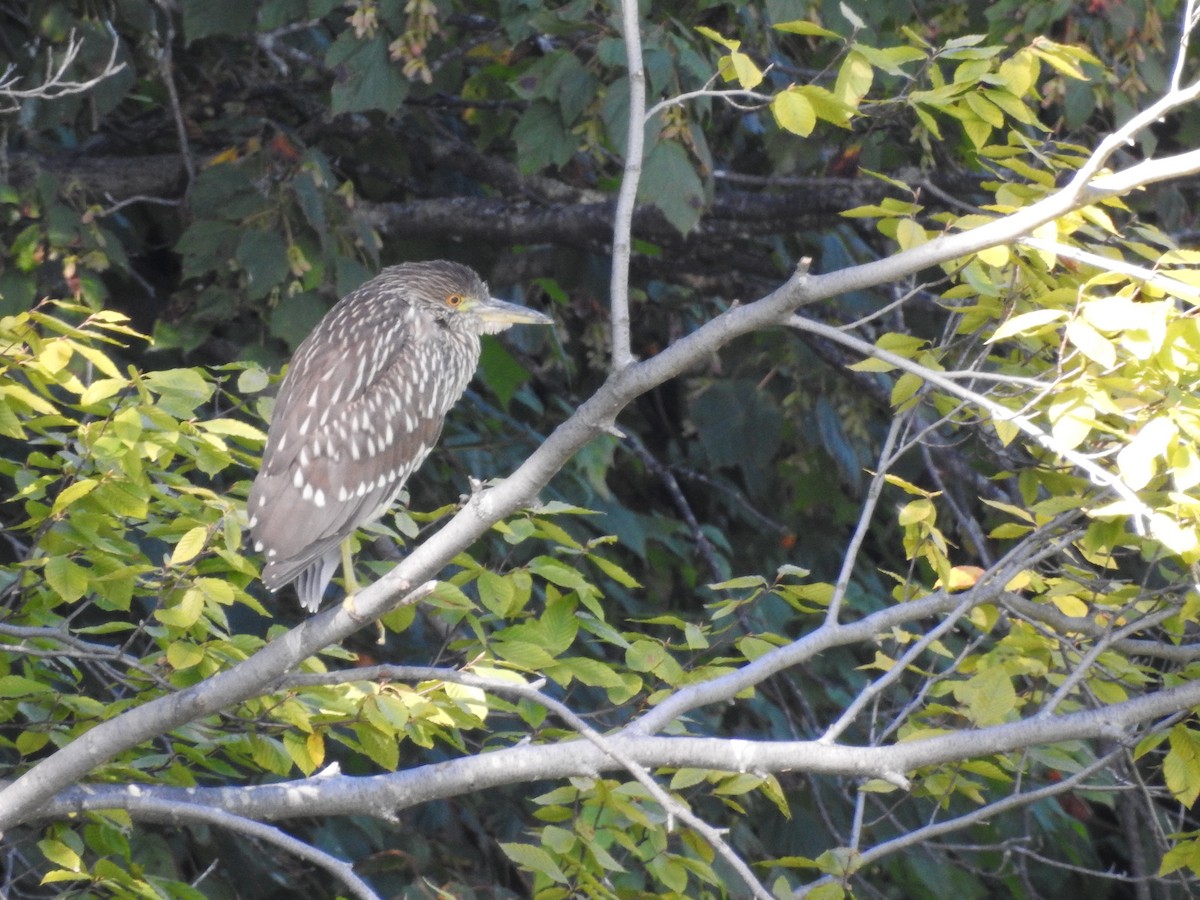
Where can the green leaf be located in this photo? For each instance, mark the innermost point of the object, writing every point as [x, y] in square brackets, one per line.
[252, 380]
[185, 613]
[748, 75]
[365, 77]
[557, 572]
[988, 696]
[800, 26]
[670, 182]
[854, 79]
[234, 428]
[1139, 459]
[1181, 767]
[1091, 343]
[645, 656]
[270, 754]
[68, 579]
[73, 492]
[613, 571]
[669, 871]
[296, 316]
[382, 748]
[20, 686]
[1185, 854]
[101, 389]
[496, 593]
[535, 859]
[180, 390]
[727, 43]
[590, 671]
[752, 648]
[890, 59]
[501, 371]
[524, 654]
[739, 583]
[542, 138]
[204, 18]
[263, 257]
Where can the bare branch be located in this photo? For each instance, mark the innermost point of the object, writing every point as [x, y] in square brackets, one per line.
[55, 84]
[149, 808]
[622, 353]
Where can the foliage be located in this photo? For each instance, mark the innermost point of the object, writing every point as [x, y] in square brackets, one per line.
[988, 466]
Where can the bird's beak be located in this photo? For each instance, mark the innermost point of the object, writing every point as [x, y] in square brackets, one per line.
[498, 315]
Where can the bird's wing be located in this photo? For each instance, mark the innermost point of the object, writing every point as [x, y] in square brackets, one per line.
[350, 431]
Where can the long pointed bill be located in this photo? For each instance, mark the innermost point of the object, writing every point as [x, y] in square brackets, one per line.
[498, 315]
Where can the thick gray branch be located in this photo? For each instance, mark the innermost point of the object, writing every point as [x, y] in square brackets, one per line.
[384, 795]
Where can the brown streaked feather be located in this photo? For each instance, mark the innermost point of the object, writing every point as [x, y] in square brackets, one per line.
[360, 408]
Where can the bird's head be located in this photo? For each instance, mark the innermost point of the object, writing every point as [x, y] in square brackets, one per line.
[458, 298]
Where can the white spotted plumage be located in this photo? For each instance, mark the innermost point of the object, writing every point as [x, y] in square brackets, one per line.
[362, 403]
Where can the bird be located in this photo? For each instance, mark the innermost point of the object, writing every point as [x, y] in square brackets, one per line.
[360, 407]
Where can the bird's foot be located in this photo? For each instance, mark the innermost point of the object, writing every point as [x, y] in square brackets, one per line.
[348, 605]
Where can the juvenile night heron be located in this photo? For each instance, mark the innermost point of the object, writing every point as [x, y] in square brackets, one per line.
[360, 408]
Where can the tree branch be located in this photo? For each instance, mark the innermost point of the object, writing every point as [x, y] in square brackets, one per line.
[383, 795]
[71, 763]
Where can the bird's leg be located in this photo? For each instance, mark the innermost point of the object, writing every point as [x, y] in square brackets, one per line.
[350, 582]
[351, 585]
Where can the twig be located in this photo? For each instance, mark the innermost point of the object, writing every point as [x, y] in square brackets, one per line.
[622, 353]
[1002, 574]
[1093, 653]
[666, 476]
[864, 520]
[922, 835]
[174, 812]
[1190, 17]
[55, 84]
[1144, 518]
[1062, 623]
[727, 96]
[1107, 264]
[167, 73]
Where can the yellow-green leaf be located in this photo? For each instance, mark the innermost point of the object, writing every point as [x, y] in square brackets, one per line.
[1181, 767]
[1026, 323]
[73, 492]
[183, 655]
[60, 854]
[794, 112]
[189, 545]
[55, 355]
[1091, 343]
[68, 579]
[995, 256]
[536, 859]
[748, 74]
[800, 26]
[910, 234]
[102, 389]
[185, 613]
[1138, 460]
[234, 428]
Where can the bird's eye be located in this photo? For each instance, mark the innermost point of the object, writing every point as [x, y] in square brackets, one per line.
[454, 300]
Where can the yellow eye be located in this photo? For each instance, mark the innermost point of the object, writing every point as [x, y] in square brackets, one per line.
[454, 300]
